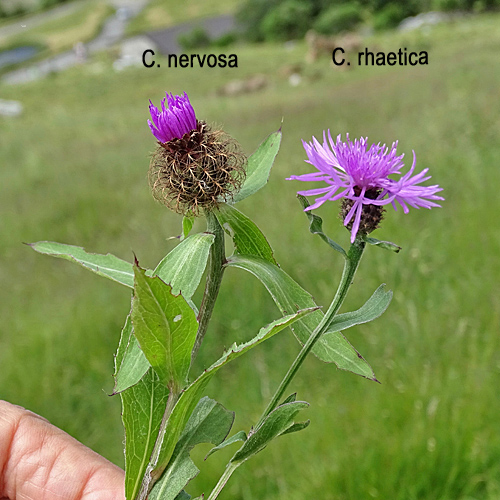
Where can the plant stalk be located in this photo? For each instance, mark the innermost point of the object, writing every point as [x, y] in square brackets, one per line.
[151, 475]
[216, 261]
[350, 266]
[223, 480]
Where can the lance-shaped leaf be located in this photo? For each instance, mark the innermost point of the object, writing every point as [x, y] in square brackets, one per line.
[183, 267]
[165, 326]
[289, 296]
[386, 245]
[130, 362]
[187, 225]
[374, 307]
[107, 265]
[276, 423]
[188, 398]
[259, 166]
[239, 436]
[247, 237]
[316, 226]
[290, 399]
[210, 422]
[298, 426]
[143, 407]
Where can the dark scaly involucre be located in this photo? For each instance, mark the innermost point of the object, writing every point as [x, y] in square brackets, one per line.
[193, 167]
[197, 171]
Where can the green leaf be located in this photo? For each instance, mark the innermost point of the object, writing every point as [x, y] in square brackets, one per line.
[143, 407]
[183, 496]
[275, 424]
[123, 344]
[289, 296]
[299, 426]
[386, 245]
[210, 422]
[130, 362]
[290, 399]
[107, 265]
[247, 237]
[183, 267]
[316, 226]
[187, 225]
[188, 399]
[259, 166]
[165, 327]
[374, 307]
[239, 436]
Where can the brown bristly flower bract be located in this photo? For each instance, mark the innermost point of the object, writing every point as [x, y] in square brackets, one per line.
[198, 171]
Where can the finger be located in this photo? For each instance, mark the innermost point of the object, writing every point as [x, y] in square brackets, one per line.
[39, 461]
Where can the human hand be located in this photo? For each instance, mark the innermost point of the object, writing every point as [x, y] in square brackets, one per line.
[41, 462]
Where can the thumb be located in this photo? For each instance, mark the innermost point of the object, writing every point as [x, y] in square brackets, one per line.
[38, 460]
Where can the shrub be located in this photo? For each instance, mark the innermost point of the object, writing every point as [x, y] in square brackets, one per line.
[250, 16]
[389, 17]
[288, 20]
[449, 4]
[194, 39]
[338, 18]
[225, 40]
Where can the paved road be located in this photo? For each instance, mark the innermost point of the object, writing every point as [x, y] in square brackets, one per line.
[112, 32]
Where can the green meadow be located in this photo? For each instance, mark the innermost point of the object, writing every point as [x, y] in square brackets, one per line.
[73, 169]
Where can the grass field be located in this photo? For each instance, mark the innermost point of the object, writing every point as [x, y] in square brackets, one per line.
[74, 170]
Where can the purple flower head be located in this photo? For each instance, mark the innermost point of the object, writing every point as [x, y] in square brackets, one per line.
[360, 175]
[174, 121]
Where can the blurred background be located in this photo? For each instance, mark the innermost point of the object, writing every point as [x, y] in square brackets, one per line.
[74, 154]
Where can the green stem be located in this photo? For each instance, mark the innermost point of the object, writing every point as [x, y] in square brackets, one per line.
[216, 260]
[351, 264]
[223, 480]
[152, 474]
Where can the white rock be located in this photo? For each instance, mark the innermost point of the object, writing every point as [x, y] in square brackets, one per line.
[10, 108]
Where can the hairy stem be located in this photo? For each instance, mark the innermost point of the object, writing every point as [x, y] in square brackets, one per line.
[151, 475]
[351, 265]
[216, 260]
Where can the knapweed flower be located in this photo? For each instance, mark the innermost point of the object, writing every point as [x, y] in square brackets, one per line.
[360, 175]
[175, 120]
[193, 167]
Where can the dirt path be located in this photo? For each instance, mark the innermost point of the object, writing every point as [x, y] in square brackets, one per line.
[112, 32]
[38, 19]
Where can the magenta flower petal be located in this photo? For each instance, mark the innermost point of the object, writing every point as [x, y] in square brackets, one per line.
[174, 120]
[361, 173]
